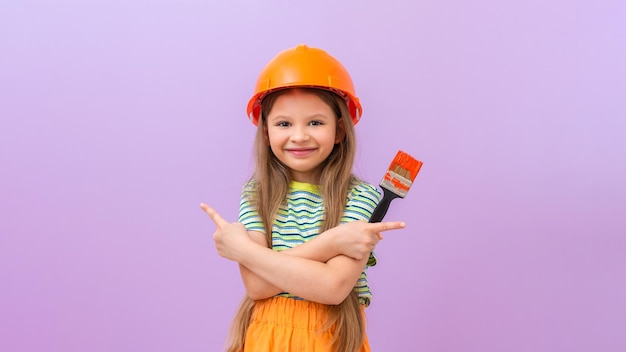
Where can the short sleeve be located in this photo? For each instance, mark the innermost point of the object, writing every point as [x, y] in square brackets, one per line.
[248, 214]
[362, 200]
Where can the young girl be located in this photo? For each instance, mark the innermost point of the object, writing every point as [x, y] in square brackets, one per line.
[302, 241]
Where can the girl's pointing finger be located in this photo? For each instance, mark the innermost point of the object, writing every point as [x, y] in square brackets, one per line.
[390, 225]
[217, 218]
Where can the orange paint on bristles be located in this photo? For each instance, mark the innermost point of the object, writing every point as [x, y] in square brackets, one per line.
[406, 166]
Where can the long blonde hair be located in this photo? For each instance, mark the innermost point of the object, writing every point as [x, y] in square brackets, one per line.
[272, 180]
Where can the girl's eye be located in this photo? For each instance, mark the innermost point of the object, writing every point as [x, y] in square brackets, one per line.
[283, 124]
[316, 123]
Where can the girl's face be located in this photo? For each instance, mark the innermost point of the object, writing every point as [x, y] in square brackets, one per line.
[302, 131]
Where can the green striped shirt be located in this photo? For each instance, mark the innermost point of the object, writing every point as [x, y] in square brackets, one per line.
[300, 218]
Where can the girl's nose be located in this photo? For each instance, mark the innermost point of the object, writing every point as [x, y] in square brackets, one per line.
[299, 135]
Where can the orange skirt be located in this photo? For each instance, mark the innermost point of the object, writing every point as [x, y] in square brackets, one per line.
[289, 325]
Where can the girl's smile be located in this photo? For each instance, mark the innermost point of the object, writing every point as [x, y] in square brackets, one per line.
[301, 152]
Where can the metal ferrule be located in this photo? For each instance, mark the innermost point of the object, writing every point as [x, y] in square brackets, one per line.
[388, 184]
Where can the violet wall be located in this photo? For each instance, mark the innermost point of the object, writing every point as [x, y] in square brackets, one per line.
[117, 118]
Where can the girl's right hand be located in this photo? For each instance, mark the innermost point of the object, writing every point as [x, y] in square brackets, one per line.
[230, 239]
[357, 239]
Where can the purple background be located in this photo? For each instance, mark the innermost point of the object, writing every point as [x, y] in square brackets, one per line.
[119, 117]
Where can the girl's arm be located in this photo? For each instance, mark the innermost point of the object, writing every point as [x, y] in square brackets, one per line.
[322, 248]
[327, 283]
[257, 288]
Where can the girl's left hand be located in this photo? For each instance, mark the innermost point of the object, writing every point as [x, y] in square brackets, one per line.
[231, 239]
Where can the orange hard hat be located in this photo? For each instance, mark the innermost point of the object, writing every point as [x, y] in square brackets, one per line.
[304, 66]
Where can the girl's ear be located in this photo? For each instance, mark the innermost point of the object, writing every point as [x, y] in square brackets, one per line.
[340, 134]
[265, 134]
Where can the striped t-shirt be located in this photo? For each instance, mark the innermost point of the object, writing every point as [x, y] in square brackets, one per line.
[300, 218]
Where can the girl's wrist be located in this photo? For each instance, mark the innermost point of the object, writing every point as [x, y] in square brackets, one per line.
[249, 251]
[334, 244]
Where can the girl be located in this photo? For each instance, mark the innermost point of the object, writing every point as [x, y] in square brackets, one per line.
[302, 241]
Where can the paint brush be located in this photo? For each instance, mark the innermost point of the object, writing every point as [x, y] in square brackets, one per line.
[396, 183]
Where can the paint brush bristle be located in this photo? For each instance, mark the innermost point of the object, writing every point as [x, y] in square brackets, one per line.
[396, 183]
[401, 174]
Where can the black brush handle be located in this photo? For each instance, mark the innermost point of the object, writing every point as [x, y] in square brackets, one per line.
[383, 206]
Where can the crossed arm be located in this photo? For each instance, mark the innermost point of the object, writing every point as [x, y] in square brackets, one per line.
[337, 270]
[322, 270]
